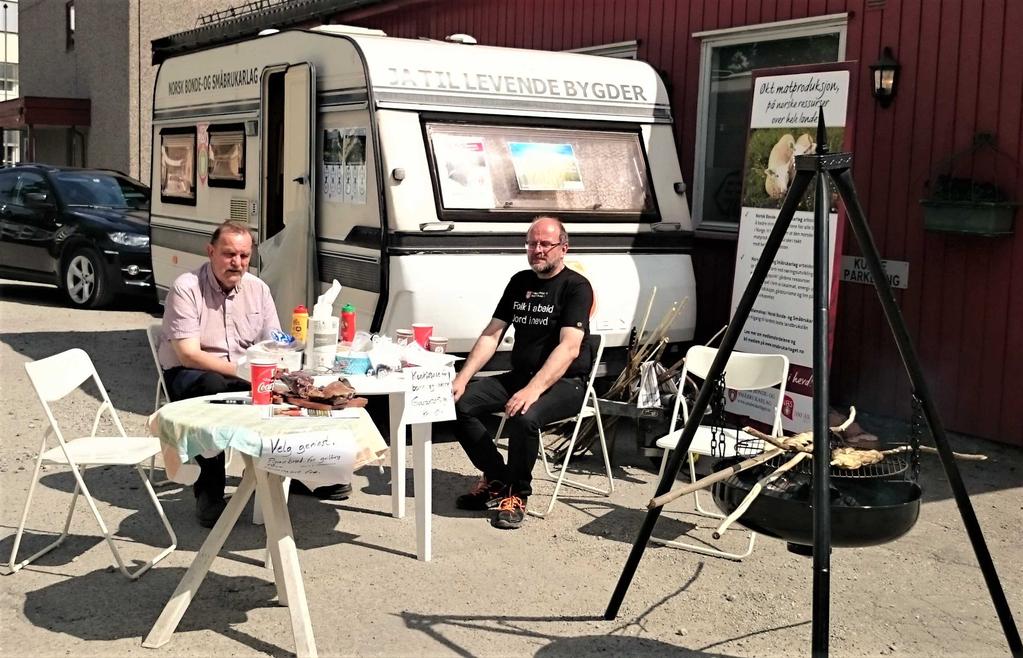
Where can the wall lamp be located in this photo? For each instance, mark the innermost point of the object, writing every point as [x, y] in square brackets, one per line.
[885, 77]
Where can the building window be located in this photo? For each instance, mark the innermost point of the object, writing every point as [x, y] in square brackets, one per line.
[177, 165]
[69, 25]
[227, 156]
[619, 50]
[9, 78]
[728, 58]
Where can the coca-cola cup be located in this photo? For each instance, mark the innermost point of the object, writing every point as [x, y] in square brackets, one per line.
[262, 380]
[421, 333]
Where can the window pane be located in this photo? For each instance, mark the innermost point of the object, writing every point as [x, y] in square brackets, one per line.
[539, 169]
[177, 167]
[226, 152]
[728, 112]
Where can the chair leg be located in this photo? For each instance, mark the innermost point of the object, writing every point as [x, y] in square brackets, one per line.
[561, 479]
[500, 428]
[17, 566]
[166, 524]
[696, 494]
[603, 447]
[703, 550]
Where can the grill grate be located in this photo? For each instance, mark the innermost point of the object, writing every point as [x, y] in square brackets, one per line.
[890, 466]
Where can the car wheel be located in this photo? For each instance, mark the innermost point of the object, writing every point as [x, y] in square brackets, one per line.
[82, 279]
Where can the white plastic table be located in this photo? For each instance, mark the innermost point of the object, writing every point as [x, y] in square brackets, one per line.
[192, 426]
[395, 388]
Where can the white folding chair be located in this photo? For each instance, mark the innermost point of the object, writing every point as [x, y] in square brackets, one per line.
[153, 333]
[743, 372]
[162, 396]
[589, 409]
[233, 464]
[54, 378]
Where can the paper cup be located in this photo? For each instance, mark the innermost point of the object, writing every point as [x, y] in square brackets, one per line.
[421, 333]
[402, 336]
[438, 344]
[262, 381]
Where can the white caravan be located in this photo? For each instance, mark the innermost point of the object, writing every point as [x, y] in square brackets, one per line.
[409, 171]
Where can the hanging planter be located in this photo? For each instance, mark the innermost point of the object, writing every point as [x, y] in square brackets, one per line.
[966, 206]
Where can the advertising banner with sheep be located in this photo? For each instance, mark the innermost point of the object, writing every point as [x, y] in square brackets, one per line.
[783, 121]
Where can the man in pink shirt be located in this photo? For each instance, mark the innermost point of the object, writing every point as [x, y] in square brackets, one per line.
[210, 317]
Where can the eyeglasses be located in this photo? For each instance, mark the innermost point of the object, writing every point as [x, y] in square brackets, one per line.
[542, 245]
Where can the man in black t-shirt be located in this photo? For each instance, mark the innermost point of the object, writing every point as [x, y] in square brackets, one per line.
[549, 306]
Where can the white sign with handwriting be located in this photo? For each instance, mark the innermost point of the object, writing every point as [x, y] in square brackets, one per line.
[321, 457]
[429, 399]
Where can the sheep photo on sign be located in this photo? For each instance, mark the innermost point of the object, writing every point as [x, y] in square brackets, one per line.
[771, 164]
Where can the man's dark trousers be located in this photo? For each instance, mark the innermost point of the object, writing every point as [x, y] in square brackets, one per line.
[489, 395]
[184, 383]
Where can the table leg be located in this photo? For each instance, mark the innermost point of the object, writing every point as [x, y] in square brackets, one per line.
[182, 596]
[422, 464]
[272, 558]
[396, 412]
[287, 571]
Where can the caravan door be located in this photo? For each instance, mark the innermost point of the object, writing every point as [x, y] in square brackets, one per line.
[287, 250]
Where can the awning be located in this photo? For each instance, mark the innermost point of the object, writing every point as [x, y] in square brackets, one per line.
[26, 111]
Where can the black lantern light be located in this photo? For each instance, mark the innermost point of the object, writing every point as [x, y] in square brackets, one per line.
[885, 77]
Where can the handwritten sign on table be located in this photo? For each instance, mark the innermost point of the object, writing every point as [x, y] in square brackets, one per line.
[324, 457]
[429, 399]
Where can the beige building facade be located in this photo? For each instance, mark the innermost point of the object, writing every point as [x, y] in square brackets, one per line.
[99, 51]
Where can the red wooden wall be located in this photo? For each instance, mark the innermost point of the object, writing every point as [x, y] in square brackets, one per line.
[964, 304]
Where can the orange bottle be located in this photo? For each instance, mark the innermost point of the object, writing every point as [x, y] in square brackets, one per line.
[300, 323]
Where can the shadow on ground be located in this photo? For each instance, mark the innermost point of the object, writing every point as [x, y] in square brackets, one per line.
[566, 635]
[60, 607]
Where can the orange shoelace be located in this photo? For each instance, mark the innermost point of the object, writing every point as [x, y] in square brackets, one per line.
[511, 503]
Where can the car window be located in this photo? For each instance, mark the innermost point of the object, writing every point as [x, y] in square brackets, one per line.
[92, 188]
[29, 182]
[7, 182]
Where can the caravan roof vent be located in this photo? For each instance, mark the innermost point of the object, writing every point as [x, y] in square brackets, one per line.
[349, 29]
[461, 38]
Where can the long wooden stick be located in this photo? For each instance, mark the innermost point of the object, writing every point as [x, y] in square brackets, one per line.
[646, 316]
[716, 476]
[755, 491]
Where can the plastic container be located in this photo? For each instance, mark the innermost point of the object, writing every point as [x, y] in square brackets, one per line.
[353, 363]
[287, 358]
[322, 345]
[300, 323]
[347, 323]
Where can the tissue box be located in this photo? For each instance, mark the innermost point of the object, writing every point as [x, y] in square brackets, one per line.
[353, 363]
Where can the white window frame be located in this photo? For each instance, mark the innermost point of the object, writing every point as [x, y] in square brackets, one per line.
[618, 50]
[801, 27]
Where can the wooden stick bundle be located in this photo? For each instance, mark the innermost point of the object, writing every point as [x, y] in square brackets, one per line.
[717, 476]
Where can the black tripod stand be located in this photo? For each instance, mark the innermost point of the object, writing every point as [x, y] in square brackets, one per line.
[836, 166]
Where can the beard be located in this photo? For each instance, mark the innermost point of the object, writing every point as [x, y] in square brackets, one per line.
[543, 266]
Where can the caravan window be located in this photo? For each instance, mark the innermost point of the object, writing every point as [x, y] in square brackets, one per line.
[227, 156]
[177, 165]
[535, 169]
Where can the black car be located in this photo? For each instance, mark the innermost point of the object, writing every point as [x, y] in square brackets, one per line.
[86, 230]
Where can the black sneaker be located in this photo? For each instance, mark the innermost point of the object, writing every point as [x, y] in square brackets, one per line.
[484, 495]
[511, 512]
[329, 492]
